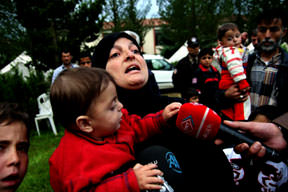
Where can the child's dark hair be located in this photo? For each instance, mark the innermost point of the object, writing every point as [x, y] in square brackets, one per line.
[12, 112]
[205, 51]
[270, 111]
[74, 90]
[190, 92]
[85, 54]
[222, 29]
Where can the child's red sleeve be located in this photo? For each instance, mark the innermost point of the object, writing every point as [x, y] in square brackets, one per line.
[243, 84]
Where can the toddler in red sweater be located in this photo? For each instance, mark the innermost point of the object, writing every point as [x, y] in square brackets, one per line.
[100, 135]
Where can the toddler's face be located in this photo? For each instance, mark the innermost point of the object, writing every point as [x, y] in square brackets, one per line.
[206, 60]
[105, 114]
[13, 155]
[238, 39]
[231, 38]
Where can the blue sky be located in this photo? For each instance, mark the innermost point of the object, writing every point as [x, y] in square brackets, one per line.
[154, 8]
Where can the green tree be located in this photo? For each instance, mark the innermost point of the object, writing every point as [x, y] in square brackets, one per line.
[123, 15]
[54, 25]
[12, 34]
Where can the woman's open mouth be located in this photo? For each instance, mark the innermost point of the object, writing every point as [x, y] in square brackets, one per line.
[132, 68]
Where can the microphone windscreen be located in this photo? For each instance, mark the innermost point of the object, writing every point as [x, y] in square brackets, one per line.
[198, 120]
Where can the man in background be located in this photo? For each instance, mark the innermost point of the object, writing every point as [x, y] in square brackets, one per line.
[66, 59]
[184, 70]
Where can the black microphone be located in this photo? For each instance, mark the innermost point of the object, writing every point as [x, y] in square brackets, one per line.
[166, 162]
[228, 132]
[201, 122]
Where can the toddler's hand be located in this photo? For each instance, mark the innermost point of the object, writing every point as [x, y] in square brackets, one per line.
[171, 110]
[146, 176]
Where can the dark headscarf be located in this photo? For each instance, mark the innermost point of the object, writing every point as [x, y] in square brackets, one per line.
[102, 50]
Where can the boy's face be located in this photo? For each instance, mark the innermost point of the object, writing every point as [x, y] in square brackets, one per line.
[105, 114]
[194, 99]
[85, 62]
[206, 60]
[13, 155]
[231, 38]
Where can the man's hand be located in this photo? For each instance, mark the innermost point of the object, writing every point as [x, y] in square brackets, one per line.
[268, 133]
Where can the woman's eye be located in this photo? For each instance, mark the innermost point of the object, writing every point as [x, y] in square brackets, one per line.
[114, 55]
[135, 51]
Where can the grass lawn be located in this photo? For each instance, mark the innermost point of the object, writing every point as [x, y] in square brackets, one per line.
[41, 148]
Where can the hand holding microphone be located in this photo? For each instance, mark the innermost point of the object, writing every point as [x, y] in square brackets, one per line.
[199, 121]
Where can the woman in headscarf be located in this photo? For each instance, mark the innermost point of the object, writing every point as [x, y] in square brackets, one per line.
[204, 165]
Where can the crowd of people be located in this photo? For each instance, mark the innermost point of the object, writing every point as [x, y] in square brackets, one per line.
[251, 81]
[120, 132]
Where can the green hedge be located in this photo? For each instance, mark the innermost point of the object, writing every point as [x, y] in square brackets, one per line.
[15, 88]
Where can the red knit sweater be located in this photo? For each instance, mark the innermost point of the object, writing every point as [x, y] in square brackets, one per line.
[81, 163]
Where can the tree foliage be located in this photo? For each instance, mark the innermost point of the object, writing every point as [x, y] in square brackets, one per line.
[12, 34]
[54, 25]
[124, 16]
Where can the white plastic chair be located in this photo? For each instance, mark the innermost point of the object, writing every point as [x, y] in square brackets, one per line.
[45, 112]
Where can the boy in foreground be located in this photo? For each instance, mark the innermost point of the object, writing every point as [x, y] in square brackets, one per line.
[14, 144]
[97, 149]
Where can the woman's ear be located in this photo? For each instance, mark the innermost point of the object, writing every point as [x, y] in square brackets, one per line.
[84, 124]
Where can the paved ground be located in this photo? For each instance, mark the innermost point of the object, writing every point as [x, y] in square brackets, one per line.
[172, 94]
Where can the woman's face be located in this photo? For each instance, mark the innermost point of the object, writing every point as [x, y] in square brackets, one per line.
[126, 65]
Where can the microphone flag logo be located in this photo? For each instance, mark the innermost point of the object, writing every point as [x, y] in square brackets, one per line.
[172, 162]
[187, 124]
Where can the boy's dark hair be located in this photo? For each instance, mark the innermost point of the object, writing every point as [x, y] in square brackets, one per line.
[190, 92]
[85, 54]
[270, 111]
[205, 51]
[74, 90]
[222, 29]
[269, 14]
[12, 112]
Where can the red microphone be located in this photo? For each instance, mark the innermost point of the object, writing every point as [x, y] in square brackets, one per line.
[198, 120]
[201, 122]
